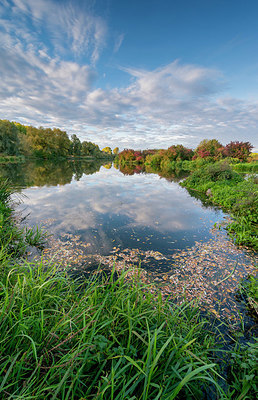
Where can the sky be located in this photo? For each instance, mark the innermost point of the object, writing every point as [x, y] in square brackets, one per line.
[132, 73]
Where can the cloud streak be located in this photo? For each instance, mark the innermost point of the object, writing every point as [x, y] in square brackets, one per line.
[70, 27]
[118, 42]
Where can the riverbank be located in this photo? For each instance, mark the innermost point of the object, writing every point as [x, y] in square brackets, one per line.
[105, 337]
[231, 191]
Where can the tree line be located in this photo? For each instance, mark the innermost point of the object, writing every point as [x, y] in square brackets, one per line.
[17, 139]
[208, 150]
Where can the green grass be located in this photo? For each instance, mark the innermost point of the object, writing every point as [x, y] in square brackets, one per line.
[250, 167]
[14, 239]
[102, 340]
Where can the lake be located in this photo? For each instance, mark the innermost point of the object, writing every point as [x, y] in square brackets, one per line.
[99, 215]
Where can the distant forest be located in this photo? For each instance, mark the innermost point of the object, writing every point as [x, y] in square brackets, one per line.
[20, 140]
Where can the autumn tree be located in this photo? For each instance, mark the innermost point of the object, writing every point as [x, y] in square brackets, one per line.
[179, 153]
[107, 150]
[240, 150]
[46, 142]
[209, 148]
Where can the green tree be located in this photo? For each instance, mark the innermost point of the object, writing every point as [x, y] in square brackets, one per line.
[116, 151]
[46, 142]
[9, 138]
[22, 128]
[90, 149]
[76, 146]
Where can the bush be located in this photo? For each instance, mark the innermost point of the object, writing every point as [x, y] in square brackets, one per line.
[251, 167]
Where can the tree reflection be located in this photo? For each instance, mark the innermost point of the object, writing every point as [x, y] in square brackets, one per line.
[47, 173]
[171, 175]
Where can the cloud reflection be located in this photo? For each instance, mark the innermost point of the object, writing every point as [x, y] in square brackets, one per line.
[102, 207]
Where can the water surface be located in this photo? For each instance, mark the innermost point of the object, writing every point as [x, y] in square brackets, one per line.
[108, 208]
[100, 215]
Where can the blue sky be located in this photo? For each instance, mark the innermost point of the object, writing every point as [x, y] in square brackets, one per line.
[133, 74]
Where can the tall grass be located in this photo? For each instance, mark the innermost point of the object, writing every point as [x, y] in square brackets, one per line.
[103, 339]
[13, 238]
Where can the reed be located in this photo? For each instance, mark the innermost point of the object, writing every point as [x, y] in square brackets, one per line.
[103, 339]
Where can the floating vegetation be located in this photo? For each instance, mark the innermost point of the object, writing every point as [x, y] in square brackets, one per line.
[208, 273]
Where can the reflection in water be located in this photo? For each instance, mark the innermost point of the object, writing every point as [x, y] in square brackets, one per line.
[110, 209]
[99, 215]
[171, 175]
[47, 172]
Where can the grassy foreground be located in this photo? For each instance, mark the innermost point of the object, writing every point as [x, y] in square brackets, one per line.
[105, 338]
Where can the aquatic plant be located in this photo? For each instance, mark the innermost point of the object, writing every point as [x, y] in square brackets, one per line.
[249, 291]
[242, 369]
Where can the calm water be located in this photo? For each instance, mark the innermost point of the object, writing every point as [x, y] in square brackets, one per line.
[106, 208]
[100, 215]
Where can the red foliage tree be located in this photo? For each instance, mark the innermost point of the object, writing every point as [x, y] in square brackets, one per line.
[179, 153]
[240, 150]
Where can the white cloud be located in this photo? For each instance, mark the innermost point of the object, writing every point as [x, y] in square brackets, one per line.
[175, 103]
